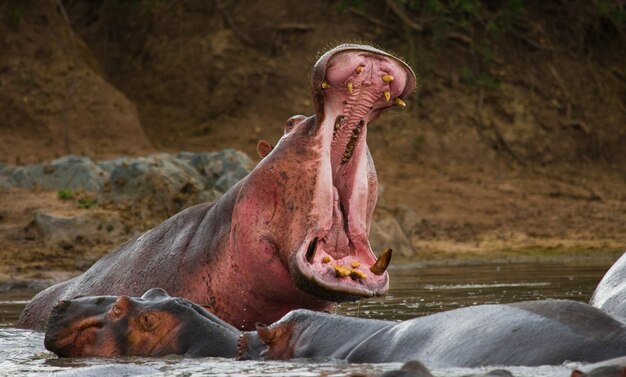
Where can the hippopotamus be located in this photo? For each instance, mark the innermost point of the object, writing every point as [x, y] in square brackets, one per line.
[608, 368]
[414, 368]
[527, 333]
[291, 234]
[610, 294]
[153, 325]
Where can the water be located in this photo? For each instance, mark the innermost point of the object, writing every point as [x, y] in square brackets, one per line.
[415, 291]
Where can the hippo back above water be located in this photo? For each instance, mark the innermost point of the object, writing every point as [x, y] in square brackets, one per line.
[547, 332]
[610, 294]
[292, 234]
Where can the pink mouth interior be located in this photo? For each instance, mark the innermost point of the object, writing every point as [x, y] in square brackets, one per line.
[358, 85]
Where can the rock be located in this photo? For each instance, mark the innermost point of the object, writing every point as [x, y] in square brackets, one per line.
[70, 172]
[93, 225]
[206, 196]
[386, 232]
[159, 177]
[220, 169]
[406, 217]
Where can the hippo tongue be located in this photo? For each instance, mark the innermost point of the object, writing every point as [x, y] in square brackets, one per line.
[352, 85]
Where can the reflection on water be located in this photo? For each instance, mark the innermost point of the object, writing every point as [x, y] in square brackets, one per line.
[419, 291]
[415, 291]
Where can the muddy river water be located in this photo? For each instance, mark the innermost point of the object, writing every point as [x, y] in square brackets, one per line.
[416, 290]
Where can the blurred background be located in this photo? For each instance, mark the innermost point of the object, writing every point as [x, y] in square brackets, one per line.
[514, 143]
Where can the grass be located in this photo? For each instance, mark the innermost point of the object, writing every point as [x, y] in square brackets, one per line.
[82, 201]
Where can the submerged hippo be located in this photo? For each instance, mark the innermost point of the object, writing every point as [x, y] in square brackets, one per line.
[610, 294]
[608, 368]
[292, 234]
[527, 333]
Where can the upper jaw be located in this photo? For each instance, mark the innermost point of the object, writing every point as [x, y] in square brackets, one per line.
[352, 85]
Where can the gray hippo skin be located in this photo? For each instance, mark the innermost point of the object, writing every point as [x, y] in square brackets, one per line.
[292, 234]
[547, 332]
[610, 294]
[608, 368]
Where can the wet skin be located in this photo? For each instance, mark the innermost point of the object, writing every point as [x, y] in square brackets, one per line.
[292, 234]
[608, 368]
[152, 325]
[528, 333]
[610, 295]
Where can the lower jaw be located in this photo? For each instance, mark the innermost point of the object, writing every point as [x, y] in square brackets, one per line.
[343, 289]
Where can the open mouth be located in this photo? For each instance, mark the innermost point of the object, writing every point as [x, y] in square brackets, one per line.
[352, 85]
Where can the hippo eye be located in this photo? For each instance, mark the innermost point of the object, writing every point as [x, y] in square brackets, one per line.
[116, 309]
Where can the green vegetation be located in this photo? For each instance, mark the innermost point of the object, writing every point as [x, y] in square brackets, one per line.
[418, 142]
[66, 194]
[82, 201]
[86, 202]
[480, 80]
[12, 13]
[614, 11]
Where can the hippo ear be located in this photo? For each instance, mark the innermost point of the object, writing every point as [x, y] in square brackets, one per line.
[266, 333]
[277, 338]
[155, 294]
[263, 148]
[577, 373]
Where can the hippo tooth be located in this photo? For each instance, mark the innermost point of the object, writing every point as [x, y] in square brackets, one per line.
[387, 78]
[382, 263]
[387, 95]
[355, 264]
[310, 253]
[326, 259]
[356, 274]
[325, 85]
[359, 69]
[341, 271]
[399, 102]
[350, 87]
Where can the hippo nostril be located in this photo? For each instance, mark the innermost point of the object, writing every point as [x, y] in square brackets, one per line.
[62, 305]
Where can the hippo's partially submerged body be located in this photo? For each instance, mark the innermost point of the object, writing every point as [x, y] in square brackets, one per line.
[292, 234]
[527, 333]
[610, 294]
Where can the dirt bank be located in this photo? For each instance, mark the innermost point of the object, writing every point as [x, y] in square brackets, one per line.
[514, 140]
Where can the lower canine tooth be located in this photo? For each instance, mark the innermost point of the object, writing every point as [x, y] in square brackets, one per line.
[350, 88]
[382, 263]
[387, 95]
[399, 102]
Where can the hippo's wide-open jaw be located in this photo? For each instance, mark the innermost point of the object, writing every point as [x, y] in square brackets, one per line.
[351, 85]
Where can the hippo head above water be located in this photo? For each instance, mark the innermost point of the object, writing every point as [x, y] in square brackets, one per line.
[153, 325]
[324, 197]
[292, 234]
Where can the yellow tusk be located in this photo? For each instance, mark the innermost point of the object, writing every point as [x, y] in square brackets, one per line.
[359, 69]
[387, 95]
[387, 78]
[355, 264]
[350, 87]
[399, 102]
[325, 85]
[325, 259]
